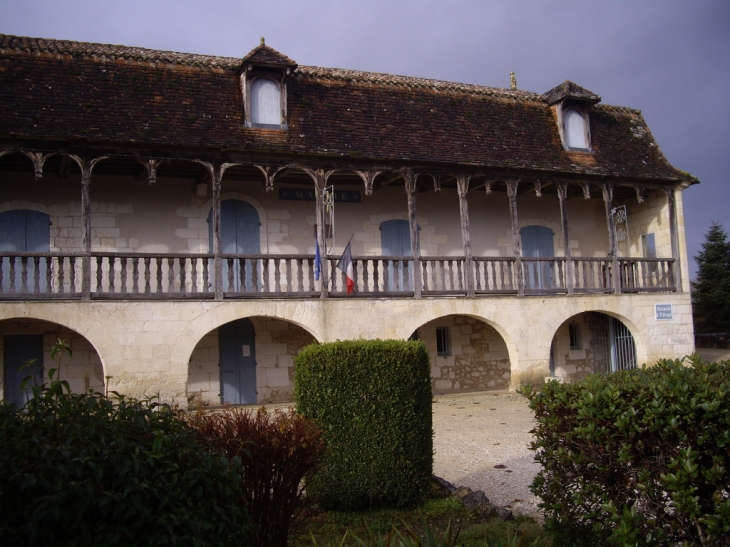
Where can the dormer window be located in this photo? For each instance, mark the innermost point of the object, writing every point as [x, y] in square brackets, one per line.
[571, 105]
[575, 130]
[264, 72]
[265, 102]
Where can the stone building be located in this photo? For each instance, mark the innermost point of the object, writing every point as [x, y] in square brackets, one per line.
[162, 213]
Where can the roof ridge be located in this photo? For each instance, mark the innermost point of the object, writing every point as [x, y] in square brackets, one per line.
[413, 81]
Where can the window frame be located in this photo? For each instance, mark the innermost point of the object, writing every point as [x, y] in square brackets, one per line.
[248, 78]
[443, 341]
[574, 336]
[566, 107]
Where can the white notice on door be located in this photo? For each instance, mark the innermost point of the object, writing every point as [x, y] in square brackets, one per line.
[246, 350]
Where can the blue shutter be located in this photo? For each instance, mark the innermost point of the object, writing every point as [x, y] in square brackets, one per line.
[395, 238]
[24, 230]
[537, 242]
[17, 349]
[237, 354]
[240, 228]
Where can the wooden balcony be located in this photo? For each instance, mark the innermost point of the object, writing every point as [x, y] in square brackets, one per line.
[126, 276]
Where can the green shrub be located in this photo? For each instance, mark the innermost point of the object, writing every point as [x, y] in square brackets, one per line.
[97, 470]
[639, 457]
[276, 451]
[373, 401]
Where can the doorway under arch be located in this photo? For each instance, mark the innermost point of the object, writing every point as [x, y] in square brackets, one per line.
[25, 339]
[466, 354]
[591, 342]
[246, 361]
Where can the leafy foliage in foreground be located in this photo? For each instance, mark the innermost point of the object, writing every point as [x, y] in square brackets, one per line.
[373, 401]
[96, 470]
[276, 451]
[638, 457]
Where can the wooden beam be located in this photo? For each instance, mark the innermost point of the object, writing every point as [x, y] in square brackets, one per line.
[607, 190]
[512, 187]
[410, 183]
[674, 237]
[562, 197]
[463, 190]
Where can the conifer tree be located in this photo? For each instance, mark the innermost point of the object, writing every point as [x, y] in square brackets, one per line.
[711, 295]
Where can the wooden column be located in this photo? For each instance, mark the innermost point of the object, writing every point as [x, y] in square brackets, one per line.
[86, 236]
[512, 185]
[320, 182]
[462, 182]
[569, 266]
[216, 175]
[410, 183]
[607, 190]
[674, 237]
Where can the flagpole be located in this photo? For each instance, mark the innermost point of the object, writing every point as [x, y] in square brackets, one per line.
[335, 268]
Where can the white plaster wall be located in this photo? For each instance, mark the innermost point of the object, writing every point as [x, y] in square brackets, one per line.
[146, 347]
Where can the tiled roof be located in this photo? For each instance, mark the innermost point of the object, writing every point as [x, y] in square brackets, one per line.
[570, 90]
[64, 90]
[266, 55]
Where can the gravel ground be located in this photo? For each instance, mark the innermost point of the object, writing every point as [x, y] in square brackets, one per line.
[481, 440]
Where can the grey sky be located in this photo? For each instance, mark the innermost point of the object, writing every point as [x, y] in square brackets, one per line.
[669, 58]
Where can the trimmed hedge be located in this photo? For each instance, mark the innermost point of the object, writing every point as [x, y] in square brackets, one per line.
[96, 470]
[373, 401]
[638, 457]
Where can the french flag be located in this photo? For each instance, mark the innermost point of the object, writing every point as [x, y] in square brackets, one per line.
[345, 264]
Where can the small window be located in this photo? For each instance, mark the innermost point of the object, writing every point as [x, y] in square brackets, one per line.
[576, 136]
[574, 333]
[265, 102]
[442, 342]
[648, 246]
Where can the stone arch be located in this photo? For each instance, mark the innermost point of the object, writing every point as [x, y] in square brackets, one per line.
[276, 344]
[83, 369]
[594, 341]
[467, 354]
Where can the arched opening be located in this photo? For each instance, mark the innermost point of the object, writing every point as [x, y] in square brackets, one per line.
[25, 339]
[246, 361]
[466, 355]
[591, 342]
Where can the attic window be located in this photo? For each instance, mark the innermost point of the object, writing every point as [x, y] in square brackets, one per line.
[575, 130]
[265, 103]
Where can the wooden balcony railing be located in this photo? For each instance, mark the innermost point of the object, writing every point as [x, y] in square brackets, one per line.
[123, 276]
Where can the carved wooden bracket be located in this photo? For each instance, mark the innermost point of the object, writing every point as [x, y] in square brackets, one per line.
[562, 190]
[409, 177]
[607, 190]
[639, 192]
[368, 178]
[538, 188]
[462, 184]
[586, 190]
[151, 167]
[38, 159]
[512, 185]
[270, 173]
[436, 182]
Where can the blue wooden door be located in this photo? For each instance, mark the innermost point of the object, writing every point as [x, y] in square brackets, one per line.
[240, 228]
[237, 354]
[395, 240]
[24, 231]
[537, 242]
[17, 350]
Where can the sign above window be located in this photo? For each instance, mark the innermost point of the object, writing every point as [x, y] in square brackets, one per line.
[298, 194]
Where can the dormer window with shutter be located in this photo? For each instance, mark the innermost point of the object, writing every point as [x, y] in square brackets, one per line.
[264, 72]
[572, 105]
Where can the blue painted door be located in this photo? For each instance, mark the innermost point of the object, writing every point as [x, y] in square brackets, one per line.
[24, 231]
[237, 354]
[17, 350]
[395, 240]
[537, 242]
[240, 228]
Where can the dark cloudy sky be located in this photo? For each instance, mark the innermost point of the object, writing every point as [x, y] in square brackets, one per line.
[669, 58]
